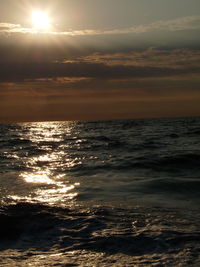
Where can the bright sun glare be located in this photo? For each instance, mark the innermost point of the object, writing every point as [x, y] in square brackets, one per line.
[40, 20]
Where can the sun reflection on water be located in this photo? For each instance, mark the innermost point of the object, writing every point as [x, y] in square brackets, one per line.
[50, 190]
[48, 131]
[45, 179]
[37, 178]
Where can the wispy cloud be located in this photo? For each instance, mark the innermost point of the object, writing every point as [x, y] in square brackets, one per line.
[151, 57]
[35, 71]
[8, 26]
[13, 28]
[184, 23]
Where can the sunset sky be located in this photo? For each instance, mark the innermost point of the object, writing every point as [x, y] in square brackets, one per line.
[89, 59]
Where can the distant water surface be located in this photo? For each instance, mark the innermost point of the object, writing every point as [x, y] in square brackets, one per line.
[124, 191]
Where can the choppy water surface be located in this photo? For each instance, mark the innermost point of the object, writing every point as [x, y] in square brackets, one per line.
[107, 193]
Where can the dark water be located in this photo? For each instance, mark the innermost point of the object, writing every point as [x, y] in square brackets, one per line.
[106, 193]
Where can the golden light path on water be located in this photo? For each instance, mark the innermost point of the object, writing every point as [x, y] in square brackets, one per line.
[47, 183]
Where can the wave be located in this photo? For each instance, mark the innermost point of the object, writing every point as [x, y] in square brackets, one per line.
[181, 161]
[136, 232]
[195, 131]
[188, 188]
[175, 164]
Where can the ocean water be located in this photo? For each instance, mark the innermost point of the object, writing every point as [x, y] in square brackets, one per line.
[100, 193]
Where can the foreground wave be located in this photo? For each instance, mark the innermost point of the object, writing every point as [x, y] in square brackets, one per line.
[111, 236]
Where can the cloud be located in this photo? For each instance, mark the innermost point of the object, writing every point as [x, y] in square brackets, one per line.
[178, 24]
[151, 63]
[110, 84]
[152, 57]
[30, 71]
[9, 26]
[184, 23]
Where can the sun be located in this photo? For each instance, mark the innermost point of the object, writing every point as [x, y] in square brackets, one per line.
[40, 20]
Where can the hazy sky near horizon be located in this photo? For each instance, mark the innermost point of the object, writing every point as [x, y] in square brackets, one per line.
[99, 59]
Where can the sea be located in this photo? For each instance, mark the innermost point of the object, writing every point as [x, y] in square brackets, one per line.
[100, 193]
